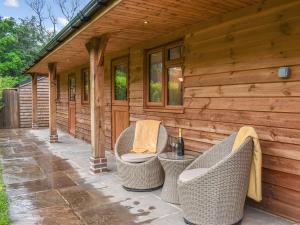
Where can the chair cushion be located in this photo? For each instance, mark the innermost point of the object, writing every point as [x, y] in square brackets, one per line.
[188, 175]
[137, 157]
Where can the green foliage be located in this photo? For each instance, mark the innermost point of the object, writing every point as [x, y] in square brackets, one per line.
[4, 218]
[8, 82]
[19, 45]
[120, 85]
[155, 91]
[174, 93]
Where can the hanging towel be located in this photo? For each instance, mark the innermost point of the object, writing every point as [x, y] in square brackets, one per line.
[254, 189]
[146, 135]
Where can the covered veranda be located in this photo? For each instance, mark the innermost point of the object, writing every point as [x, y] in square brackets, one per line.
[51, 184]
[105, 27]
[133, 26]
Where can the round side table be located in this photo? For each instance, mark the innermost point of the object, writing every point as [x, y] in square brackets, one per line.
[173, 166]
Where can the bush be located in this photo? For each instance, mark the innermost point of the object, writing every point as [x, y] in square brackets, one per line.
[9, 82]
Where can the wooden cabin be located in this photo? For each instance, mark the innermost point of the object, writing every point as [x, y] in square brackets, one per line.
[25, 103]
[208, 67]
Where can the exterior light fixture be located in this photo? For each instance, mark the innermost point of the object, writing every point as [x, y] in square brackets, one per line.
[284, 72]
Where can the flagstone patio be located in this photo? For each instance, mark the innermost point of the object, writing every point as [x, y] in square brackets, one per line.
[51, 185]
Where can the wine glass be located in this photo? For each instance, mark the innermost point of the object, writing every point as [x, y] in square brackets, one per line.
[173, 143]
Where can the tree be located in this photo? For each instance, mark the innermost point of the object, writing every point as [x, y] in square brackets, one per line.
[52, 18]
[38, 7]
[68, 8]
[19, 45]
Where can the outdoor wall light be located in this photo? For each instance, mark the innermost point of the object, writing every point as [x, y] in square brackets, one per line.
[284, 72]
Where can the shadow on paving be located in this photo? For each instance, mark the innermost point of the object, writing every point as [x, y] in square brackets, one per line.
[46, 189]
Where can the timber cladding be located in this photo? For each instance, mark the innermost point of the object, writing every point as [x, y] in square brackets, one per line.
[25, 103]
[83, 117]
[230, 80]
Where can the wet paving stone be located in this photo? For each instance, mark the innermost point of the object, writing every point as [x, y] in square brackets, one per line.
[83, 197]
[52, 164]
[108, 214]
[52, 181]
[22, 173]
[47, 216]
[23, 203]
[47, 189]
[50, 184]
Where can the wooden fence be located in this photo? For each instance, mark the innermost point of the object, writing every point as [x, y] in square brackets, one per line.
[9, 115]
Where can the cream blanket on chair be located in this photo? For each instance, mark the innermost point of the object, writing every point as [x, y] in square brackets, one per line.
[254, 189]
[146, 135]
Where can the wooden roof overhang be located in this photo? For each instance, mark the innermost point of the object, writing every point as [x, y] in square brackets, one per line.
[130, 22]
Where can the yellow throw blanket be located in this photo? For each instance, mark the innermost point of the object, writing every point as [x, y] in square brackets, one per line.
[145, 137]
[254, 189]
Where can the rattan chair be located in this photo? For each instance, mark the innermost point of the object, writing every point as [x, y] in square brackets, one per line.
[217, 196]
[146, 176]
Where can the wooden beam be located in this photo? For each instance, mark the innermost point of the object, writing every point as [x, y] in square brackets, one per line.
[96, 48]
[34, 101]
[52, 102]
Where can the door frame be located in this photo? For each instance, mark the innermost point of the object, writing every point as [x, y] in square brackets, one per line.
[71, 75]
[121, 104]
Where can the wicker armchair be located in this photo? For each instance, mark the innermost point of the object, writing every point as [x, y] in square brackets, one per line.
[146, 176]
[217, 196]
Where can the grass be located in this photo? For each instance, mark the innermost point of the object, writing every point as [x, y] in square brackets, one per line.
[4, 217]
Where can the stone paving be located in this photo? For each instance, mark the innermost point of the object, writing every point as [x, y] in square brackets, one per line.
[50, 184]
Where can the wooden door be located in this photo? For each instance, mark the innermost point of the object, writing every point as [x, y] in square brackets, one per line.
[72, 104]
[120, 108]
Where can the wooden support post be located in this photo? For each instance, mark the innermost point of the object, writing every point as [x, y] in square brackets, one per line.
[52, 102]
[96, 48]
[34, 101]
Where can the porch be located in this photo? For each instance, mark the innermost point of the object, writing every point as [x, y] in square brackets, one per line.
[51, 184]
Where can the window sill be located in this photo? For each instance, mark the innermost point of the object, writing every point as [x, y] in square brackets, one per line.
[165, 110]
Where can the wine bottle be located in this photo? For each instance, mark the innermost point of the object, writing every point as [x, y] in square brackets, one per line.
[180, 144]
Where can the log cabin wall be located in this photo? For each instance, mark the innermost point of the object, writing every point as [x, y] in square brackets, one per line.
[62, 102]
[25, 103]
[231, 80]
[83, 118]
[43, 102]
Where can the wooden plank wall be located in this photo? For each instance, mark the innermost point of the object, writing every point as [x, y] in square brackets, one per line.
[43, 102]
[25, 103]
[83, 118]
[9, 114]
[230, 81]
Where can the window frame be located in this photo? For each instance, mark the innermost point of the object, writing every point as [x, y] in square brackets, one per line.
[163, 105]
[85, 102]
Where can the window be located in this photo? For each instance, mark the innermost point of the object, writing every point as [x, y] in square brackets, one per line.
[72, 87]
[120, 82]
[85, 86]
[164, 79]
[155, 76]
